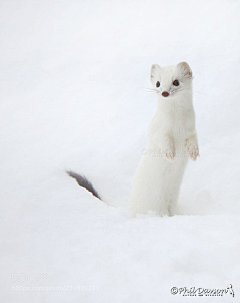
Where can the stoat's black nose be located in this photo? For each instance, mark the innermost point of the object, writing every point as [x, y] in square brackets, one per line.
[165, 94]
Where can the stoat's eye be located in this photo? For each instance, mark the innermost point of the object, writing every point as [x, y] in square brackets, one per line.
[176, 82]
[157, 84]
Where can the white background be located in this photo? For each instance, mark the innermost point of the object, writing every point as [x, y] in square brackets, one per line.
[73, 78]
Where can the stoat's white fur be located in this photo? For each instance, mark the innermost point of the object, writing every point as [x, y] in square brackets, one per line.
[172, 139]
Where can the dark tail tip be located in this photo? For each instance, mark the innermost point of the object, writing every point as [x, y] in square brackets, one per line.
[83, 181]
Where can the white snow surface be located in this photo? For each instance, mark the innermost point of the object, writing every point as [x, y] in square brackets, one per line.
[73, 78]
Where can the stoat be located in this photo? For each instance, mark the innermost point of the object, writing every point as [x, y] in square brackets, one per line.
[172, 139]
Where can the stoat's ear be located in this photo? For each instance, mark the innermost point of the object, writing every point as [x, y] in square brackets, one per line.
[185, 68]
[154, 70]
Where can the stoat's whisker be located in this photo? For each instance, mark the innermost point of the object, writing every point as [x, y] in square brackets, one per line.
[177, 90]
[152, 89]
[152, 92]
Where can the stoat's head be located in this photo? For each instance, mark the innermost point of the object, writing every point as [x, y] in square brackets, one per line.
[171, 81]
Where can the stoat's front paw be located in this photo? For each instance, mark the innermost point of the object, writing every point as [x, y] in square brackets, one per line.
[167, 148]
[192, 150]
[169, 153]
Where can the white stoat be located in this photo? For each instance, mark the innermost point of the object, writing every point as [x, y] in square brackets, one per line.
[172, 139]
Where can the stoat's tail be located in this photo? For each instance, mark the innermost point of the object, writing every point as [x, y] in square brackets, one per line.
[83, 181]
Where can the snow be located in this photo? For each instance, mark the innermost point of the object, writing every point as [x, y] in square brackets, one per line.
[73, 75]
